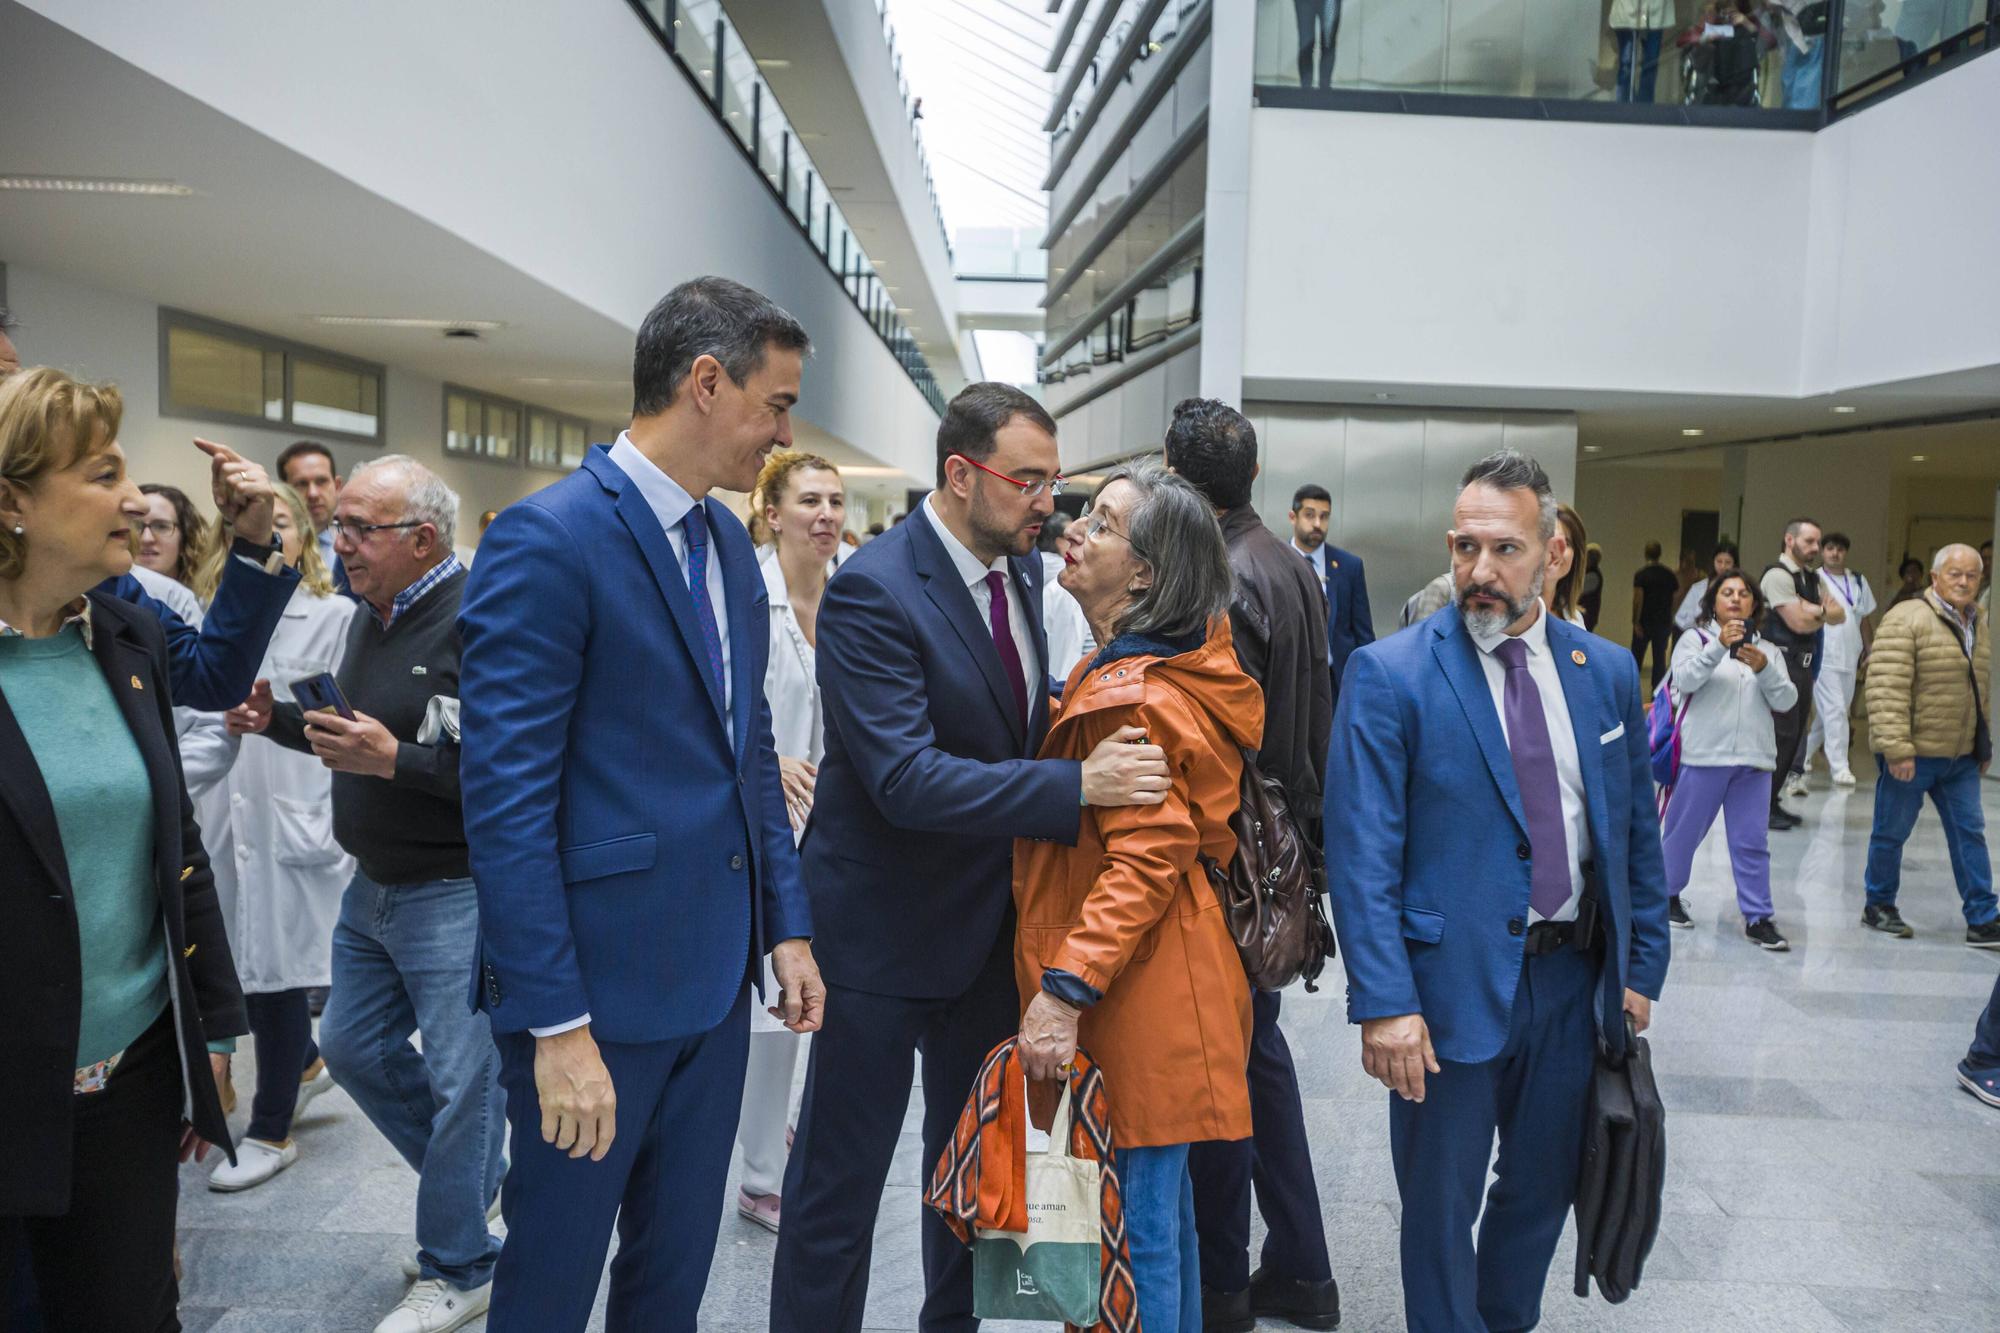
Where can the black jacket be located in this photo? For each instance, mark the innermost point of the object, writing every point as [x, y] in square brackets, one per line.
[1278, 620]
[41, 997]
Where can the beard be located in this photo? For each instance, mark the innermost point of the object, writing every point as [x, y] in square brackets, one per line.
[1485, 623]
[1312, 541]
[995, 531]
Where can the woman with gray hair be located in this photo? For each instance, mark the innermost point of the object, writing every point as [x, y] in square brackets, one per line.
[1122, 944]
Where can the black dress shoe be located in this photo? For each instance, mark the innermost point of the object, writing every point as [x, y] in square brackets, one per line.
[1226, 1311]
[1301, 1304]
[1783, 820]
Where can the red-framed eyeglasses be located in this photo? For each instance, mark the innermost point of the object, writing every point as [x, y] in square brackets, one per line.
[1029, 489]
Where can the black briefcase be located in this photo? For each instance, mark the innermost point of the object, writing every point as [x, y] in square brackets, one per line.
[1623, 1175]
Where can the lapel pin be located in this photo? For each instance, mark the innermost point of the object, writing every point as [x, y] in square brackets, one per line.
[1578, 657]
[137, 684]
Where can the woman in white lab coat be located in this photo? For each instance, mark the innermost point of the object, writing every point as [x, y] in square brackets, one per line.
[279, 874]
[804, 505]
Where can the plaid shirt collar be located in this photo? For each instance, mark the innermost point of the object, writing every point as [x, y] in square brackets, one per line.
[413, 594]
[78, 614]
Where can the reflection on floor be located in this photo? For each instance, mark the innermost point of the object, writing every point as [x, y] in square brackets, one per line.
[1825, 1173]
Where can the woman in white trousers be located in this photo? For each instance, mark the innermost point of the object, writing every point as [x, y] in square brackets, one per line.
[804, 506]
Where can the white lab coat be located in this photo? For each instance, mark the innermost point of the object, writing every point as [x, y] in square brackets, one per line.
[798, 720]
[207, 749]
[268, 826]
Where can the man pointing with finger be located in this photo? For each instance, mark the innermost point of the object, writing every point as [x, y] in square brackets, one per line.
[1498, 888]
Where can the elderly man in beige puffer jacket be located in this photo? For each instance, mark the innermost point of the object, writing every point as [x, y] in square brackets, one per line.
[1929, 720]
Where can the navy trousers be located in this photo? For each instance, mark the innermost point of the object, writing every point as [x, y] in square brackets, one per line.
[857, 1092]
[1277, 1161]
[662, 1183]
[1534, 1094]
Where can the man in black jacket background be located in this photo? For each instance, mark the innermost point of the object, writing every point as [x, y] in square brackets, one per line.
[1278, 621]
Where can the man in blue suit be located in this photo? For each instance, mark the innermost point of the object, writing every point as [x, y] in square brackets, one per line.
[1349, 623]
[627, 824]
[933, 671]
[1500, 897]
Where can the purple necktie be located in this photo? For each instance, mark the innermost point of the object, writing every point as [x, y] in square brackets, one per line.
[1535, 775]
[1003, 642]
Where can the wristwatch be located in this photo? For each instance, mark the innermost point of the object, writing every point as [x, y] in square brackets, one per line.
[270, 559]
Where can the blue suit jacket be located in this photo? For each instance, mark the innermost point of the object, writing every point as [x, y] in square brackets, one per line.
[1427, 844]
[215, 668]
[928, 776]
[1349, 623]
[632, 852]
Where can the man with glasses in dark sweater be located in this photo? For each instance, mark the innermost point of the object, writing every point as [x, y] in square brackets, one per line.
[410, 920]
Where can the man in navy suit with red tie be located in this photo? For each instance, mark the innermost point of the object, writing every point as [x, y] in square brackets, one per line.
[627, 824]
[934, 670]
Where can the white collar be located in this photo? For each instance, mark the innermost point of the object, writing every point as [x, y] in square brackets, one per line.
[667, 498]
[965, 562]
[1536, 636]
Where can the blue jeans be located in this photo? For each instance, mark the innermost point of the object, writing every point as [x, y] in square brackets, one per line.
[1985, 1051]
[1159, 1228]
[1803, 73]
[1647, 44]
[401, 957]
[1953, 786]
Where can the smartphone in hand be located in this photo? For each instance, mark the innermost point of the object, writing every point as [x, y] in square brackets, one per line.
[321, 692]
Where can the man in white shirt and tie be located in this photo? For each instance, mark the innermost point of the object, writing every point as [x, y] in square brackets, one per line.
[1349, 623]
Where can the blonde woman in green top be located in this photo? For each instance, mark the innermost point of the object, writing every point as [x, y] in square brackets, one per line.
[123, 975]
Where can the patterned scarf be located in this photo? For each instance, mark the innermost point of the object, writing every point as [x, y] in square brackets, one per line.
[982, 1179]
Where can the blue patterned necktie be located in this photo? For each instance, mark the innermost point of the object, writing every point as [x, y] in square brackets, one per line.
[1535, 774]
[696, 527]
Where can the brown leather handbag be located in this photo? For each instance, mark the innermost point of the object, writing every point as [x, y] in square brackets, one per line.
[1273, 892]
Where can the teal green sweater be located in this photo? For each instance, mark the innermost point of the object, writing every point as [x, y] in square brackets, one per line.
[104, 811]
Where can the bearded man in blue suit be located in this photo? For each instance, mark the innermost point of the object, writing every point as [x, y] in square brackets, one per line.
[1498, 888]
[627, 825]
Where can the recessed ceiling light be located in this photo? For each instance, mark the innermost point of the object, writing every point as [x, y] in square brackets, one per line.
[1692, 431]
[408, 322]
[1919, 458]
[774, 64]
[1592, 448]
[95, 185]
[1384, 397]
[1846, 411]
[851, 471]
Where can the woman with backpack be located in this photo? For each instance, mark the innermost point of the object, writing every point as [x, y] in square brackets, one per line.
[1725, 687]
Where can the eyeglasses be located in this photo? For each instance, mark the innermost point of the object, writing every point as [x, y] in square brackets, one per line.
[357, 531]
[1095, 521]
[159, 527]
[1030, 490]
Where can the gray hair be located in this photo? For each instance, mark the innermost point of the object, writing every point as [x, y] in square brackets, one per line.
[1947, 552]
[426, 499]
[1173, 529]
[1512, 470]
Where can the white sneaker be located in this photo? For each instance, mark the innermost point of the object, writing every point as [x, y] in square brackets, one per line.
[1797, 785]
[256, 1162]
[1844, 778]
[311, 1084]
[433, 1305]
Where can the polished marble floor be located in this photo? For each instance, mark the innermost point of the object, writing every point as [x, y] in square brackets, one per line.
[1825, 1172]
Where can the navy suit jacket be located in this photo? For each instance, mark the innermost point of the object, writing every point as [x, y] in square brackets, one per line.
[1349, 624]
[1427, 846]
[631, 849]
[215, 668]
[929, 775]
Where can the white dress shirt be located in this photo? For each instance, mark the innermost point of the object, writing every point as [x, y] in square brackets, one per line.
[974, 573]
[670, 502]
[1317, 559]
[1562, 739]
[1063, 622]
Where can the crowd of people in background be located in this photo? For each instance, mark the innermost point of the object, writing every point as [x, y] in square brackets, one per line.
[577, 837]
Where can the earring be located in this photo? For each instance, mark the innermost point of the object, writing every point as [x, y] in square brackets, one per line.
[20, 531]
